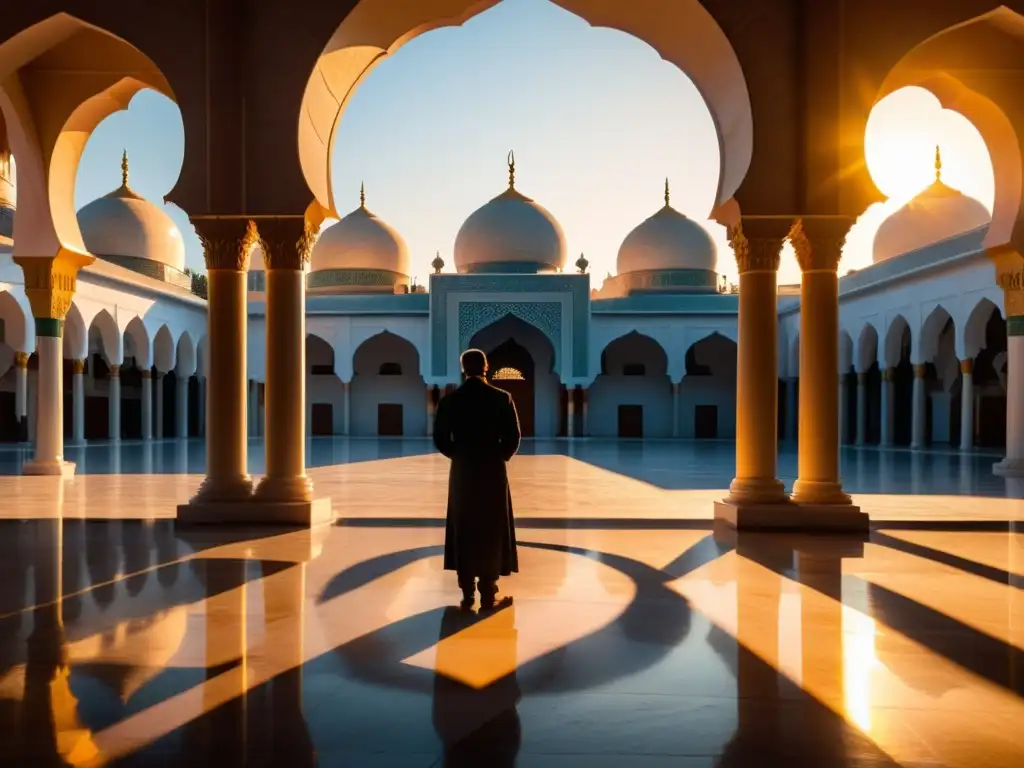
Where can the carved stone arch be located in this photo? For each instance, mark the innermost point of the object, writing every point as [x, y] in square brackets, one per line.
[893, 347]
[19, 330]
[866, 349]
[137, 341]
[76, 334]
[164, 350]
[845, 352]
[110, 336]
[185, 364]
[636, 339]
[928, 336]
[972, 335]
[545, 316]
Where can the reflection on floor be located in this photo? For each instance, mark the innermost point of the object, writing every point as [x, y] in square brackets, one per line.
[640, 636]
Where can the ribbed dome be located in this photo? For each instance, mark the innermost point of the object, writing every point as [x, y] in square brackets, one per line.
[667, 241]
[510, 233]
[360, 241]
[936, 214]
[124, 224]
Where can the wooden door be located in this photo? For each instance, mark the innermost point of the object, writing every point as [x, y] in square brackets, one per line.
[631, 421]
[705, 422]
[322, 419]
[389, 420]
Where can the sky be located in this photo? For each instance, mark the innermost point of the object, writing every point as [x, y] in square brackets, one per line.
[597, 122]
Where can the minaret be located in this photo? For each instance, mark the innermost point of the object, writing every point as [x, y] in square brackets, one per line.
[667, 204]
[362, 195]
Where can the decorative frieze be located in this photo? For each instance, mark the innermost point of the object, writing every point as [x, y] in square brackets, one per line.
[50, 282]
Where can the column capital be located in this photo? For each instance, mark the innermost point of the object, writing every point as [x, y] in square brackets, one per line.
[1009, 266]
[287, 241]
[114, 371]
[967, 366]
[50, 283]
[919, 371]
[21, 359]
[757, 242]
[819, 240]
[78, 366]
[227, 241]
[146, 373]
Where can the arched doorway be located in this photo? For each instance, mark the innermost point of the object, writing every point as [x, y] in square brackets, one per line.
[511, 369]
[521, 360]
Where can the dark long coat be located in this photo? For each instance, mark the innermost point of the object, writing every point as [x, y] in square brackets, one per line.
[476, 426]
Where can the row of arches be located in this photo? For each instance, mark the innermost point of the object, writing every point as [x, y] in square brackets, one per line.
[633, 395]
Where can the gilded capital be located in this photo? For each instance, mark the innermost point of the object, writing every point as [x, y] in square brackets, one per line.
[919, 371]
[757, 242]
[50, 281]
[967, 366]
[146, 373]
[818, 241]
[114, 371]
[78, 366]
[227, 241]
[287, 242]
[21, 359]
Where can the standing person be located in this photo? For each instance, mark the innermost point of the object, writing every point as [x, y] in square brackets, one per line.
[476, 426]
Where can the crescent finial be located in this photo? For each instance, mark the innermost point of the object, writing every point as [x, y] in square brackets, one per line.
[511, 169]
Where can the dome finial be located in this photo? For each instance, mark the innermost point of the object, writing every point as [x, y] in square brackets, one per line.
[362, 195]
[511, 169]
[124, 168]
[666, 192]
[938, 163]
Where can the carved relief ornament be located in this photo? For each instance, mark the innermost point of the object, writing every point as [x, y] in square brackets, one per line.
[226, 244]
[818, 243]
[760, 254]
[50, 281]
[287, 243]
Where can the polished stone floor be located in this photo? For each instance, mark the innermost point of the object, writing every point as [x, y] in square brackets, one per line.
[639, 636]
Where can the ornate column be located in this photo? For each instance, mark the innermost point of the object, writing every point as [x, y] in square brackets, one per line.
[181, 406]
[792, 426]
[50, 285]
[159, 410]
[756, 496]
[818, 242]
[918, 405]
[21, 393]
[888, 401]
[862, 407]
[1010, 277]
[286, 490]
[78, 401]
[677, 388]
[147, 404]
[967, 404]
[114, 403]
[227, 243]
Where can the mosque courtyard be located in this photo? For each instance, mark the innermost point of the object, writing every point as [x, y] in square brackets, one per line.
[640, 634]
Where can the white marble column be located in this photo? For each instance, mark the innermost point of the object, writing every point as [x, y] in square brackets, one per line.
[49, 408]
[114, 403]
[346, 396]
[677, 388]
[1013, 464]
[147, 404]
[792, 424]
[888, 403]
[862, 407]
[181, 406]
[21, 393]
[78, 402]
[158, 411]
[918, 404]
[967, 404]
[844, 422]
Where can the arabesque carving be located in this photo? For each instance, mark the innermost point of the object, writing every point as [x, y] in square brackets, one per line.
[50, 281]
[287, 242]
[818, 241]
[227, 241]
[759, 254]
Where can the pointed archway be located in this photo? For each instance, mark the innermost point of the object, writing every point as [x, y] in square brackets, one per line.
[512, 369]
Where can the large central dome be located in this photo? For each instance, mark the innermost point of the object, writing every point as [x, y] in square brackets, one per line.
[511, 233]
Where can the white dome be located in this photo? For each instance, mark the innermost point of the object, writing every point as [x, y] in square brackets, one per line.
[125, 224]
[667, 241]
[360, 241]
[938, 213]
[510, 233]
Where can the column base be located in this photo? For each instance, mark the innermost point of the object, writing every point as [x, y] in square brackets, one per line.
[284, 489]
[305, 514]
[1009, 468]
[757, 491]
[49, 468]
[819, 492]
[223, 490]
[834, 518]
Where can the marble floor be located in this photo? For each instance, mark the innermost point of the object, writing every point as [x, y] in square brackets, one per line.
[640, 634]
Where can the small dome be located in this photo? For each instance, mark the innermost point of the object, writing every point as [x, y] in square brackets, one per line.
[667, 241]
[510, 233]
[936, 214]
[360, 241]
[123, 224]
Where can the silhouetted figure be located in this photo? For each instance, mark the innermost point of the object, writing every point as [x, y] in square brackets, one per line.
[478, 429]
